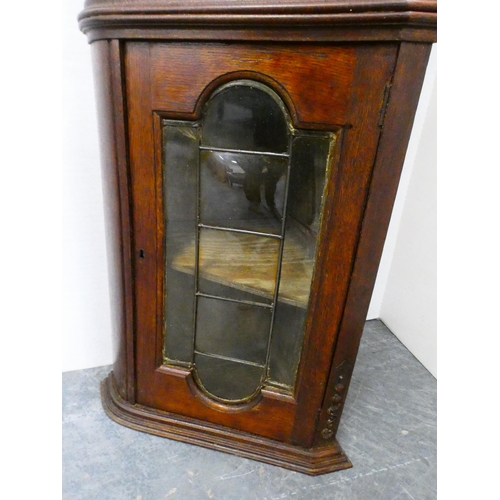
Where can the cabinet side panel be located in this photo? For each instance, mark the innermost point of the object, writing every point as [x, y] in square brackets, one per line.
[113, 221]
[401, 108]
[144, 214]
[347, 190]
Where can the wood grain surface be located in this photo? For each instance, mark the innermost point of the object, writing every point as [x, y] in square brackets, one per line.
[301, 75]
[333, 20]
[403, 100]
[347, 191]
[163, 60]
[110, 100]
[249, 263]
[189, 430]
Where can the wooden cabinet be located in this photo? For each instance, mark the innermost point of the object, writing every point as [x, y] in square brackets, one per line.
[251, 155]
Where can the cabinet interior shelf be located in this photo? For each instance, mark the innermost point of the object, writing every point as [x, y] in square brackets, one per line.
[252, 271]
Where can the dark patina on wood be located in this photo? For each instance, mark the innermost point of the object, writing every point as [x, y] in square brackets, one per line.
[332, 20]
[353, 67]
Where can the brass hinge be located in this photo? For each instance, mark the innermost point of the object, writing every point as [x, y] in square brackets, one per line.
[381, 116]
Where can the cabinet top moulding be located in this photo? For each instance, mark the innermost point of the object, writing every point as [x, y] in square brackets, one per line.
[254, 20]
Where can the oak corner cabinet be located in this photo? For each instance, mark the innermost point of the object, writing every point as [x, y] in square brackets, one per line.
[251, 153]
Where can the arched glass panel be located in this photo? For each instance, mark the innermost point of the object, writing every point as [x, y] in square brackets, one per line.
[243, 195]
[247, 116]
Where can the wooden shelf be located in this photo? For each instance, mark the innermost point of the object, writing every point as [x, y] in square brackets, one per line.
[248, 263]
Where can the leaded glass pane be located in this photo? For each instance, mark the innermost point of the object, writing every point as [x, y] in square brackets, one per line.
[240, 261]
[245, 116]
[242, 191]
[226, 379]
[180, 174]
[232, 329]
[243, 198]
[308, 174]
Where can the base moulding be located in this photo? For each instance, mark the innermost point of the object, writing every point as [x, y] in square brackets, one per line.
[309, 461]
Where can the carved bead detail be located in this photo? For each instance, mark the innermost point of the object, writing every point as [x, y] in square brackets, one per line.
[332, 410]
[336, 400]
[327, 433]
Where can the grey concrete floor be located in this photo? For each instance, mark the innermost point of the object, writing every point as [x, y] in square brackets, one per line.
[388, 430]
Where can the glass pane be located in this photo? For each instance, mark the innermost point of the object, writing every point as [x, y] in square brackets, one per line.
[211, 287]
[230, 172]
[310, 154]
[226, 379]
[242, 191]
[180, 174]
[233, 330]
[308, 173]
[245, 262]
[245, 117]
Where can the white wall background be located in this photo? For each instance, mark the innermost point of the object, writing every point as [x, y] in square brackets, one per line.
[86, 315]
[409, 303]
[404, 294]
[427, 104]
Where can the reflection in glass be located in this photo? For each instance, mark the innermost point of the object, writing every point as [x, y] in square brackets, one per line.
[245, 116]
[232, 329]
[242, 191]
[243, 198]
[226, 379]
[308, 174]
[180, 156]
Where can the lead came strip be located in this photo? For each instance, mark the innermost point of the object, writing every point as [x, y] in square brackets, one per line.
[244, 151]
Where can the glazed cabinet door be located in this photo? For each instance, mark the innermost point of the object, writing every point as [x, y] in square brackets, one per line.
[249, 170]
